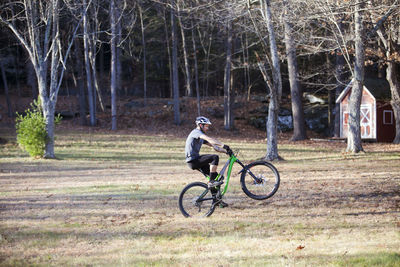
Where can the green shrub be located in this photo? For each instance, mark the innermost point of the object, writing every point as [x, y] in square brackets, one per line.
[31, 130]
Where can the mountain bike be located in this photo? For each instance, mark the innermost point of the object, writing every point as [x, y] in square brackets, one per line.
[259, 180]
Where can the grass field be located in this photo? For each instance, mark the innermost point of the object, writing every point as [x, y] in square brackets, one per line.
[111, 200]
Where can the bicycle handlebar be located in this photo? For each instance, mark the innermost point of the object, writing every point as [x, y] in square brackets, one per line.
[230, 153]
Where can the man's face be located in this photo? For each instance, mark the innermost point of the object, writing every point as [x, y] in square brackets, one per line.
[205, 127]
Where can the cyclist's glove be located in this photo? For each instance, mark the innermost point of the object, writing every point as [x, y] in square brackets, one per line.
[228, 150]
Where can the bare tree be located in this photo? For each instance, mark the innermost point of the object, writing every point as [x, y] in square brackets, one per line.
[299, 129]
[189, 90]
[276, 88]
[5, 83]
[196, 69]
[340, 80]
[386, 18]
[175, 79]
[93, 44]
[354, 143]
[246, 65]
[89, 81]
[80, 83]
[228, 101]
[113, 41]
[144, 54]
[168, 47]
[36, 26]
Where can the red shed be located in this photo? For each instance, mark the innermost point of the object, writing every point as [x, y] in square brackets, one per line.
[376, 117]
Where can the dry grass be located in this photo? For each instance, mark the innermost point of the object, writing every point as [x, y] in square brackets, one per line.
[111, 199]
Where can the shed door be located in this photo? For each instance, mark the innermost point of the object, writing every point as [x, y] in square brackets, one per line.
[366, 121]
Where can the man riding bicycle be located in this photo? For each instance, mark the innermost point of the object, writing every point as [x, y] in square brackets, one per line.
[207, 163]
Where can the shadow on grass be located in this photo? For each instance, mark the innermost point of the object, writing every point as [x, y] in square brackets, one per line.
[120, 156]
[30, 168]
[62, 206]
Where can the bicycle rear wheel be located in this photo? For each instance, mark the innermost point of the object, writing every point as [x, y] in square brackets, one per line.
[196, 200]
[266, 181]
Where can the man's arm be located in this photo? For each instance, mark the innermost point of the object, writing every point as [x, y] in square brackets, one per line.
[214, 143]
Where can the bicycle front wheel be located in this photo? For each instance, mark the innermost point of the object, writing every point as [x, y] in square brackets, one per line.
[263, 183]
[196, 200]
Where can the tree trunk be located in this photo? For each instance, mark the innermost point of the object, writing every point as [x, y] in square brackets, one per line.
[92, 45]
[80, 83]
[189, 91]
[118, 49]
[228, 116]
[331, 99]
[50, 106]
[48, 113]
[113, 67]
[175, 82]
[89, 84]
[276, 90]
[354, 143]
[207, 53]
[389, 37]
[144, 56]
[93, 64]
[299, 129]
[339, 73]
[196, 71]
[247, 81]
[171, 91]
[3, 75]
[393, 77]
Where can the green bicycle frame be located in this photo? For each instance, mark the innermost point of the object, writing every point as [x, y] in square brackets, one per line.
[229, 165]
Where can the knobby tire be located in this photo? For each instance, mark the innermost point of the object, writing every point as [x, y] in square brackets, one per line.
[267, 182]
[196, 200]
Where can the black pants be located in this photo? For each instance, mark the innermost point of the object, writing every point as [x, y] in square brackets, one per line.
[203, 163]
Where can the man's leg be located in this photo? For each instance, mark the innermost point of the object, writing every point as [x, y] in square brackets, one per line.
[208, 165]
[205, 163]
[213, 171]
[213, 168]
[212, 165]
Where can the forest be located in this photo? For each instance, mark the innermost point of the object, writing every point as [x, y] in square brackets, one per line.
[102, 51]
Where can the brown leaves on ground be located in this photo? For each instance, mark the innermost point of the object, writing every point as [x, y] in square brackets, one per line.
[300, 247]
[157, 117]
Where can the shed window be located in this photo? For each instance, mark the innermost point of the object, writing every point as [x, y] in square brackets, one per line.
[387, 117]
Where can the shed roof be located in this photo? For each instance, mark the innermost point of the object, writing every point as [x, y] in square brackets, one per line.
[378, 88]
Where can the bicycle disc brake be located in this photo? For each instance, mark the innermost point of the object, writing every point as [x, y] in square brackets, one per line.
[259, 181]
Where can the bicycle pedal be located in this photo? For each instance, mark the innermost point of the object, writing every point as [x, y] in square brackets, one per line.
[214, 184]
